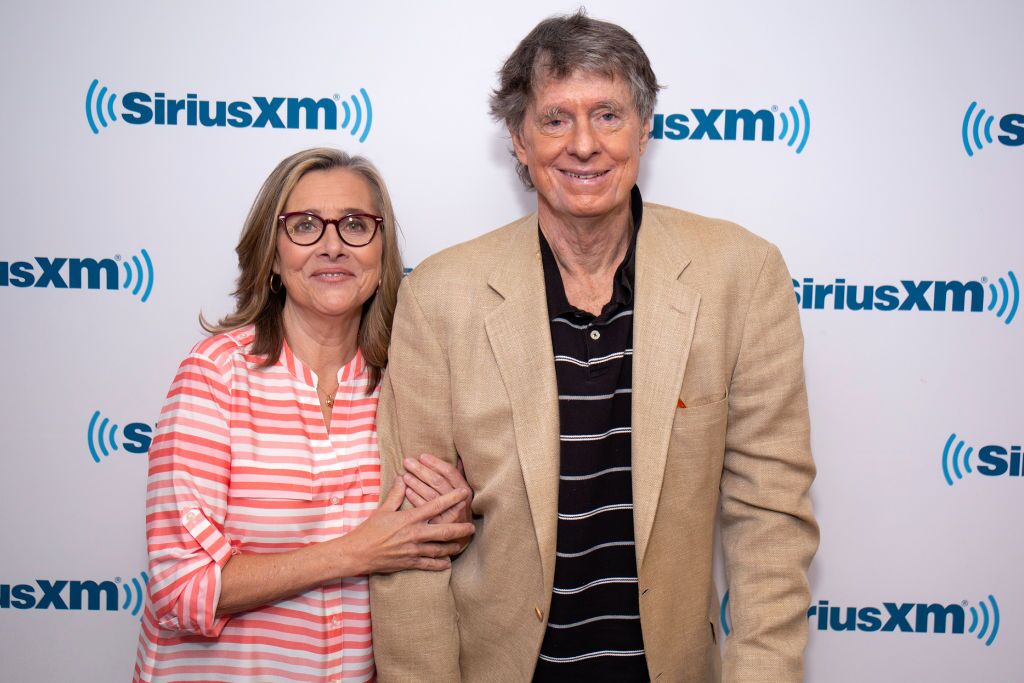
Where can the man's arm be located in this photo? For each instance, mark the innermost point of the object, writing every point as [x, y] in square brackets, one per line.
[768, 530]
[415, 630]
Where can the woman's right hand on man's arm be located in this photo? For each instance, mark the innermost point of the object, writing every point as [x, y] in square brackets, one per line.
[391, 539]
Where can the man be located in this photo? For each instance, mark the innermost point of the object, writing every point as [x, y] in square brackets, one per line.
[611, 373]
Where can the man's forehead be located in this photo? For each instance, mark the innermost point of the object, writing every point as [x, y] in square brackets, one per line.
[582, 86]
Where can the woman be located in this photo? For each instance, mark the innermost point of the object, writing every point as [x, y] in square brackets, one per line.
[264, 472]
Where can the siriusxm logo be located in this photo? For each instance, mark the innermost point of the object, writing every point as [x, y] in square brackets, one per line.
[902, 617]
[82, 273]
[64, 594]
[141, 108]
[793, 126]
[102, 437]
[913, 295]
[993, 460]
[1012, 126]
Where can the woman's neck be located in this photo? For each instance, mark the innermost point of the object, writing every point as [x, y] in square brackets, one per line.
[324, 345]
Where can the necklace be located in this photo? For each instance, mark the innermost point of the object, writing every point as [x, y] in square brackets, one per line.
[327, 398]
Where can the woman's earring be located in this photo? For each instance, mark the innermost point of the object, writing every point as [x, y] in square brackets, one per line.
[276, 289]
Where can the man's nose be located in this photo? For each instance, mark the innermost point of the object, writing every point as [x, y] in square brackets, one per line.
[583, 143]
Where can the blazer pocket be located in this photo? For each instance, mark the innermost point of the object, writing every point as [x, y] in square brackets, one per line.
[701, 415]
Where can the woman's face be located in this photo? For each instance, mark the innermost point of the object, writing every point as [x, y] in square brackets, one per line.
[329, 279]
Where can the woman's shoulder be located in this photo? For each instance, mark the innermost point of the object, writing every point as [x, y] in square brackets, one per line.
[224, 348]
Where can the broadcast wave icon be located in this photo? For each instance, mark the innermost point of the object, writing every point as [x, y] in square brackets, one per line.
[796, 130]
[101, 436]
[360, 121]
[139, 272]
[989, 625]
[135, 593]
[970, 131]
[955, 457]
[95, 103]
[1005, 296]
[723, 616]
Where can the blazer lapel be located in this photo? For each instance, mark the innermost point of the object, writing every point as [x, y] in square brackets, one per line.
[520, 337]
[665, 316]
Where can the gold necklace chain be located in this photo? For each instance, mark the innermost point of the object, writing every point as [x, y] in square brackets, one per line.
[328, 398]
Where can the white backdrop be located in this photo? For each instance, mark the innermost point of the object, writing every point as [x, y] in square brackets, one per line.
[883, 190]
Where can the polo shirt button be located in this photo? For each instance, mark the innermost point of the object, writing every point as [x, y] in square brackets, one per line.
[539, 613]
[595, 335]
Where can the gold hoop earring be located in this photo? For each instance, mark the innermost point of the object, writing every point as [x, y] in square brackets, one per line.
[275, 290]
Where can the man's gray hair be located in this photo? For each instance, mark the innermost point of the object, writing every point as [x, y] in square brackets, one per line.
[557, 48]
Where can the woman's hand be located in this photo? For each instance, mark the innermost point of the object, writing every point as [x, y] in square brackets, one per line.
[428, 478]
[391, 540]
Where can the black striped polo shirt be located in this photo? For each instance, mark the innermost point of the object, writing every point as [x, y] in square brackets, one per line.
[593, 631]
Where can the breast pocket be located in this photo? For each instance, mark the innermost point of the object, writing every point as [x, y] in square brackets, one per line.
[695, 455]
[701, 417]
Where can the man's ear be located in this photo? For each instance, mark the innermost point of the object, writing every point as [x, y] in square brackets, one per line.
[517, 144]
[645, 135]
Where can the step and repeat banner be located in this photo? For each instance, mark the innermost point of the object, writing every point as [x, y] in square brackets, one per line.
[878, 144]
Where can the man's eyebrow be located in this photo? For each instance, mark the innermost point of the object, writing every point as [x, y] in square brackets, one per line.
[612, 105]
[551, 112]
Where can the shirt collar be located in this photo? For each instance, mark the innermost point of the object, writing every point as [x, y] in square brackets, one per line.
[622, 281]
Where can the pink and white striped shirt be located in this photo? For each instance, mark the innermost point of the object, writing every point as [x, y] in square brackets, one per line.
[242, 462]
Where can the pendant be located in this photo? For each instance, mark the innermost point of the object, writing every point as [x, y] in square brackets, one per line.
[329, 402]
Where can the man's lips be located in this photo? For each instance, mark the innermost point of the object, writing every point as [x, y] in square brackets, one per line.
[583, 175]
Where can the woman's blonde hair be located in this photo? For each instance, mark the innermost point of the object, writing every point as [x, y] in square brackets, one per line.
[257, 305]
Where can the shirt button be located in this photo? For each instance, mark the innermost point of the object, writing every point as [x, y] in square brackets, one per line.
[335, 621]
[539, 613]
[334, 500]
[595, 335]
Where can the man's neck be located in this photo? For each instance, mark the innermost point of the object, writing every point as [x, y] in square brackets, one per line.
[588, 251]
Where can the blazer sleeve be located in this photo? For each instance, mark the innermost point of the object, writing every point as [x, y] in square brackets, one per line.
[415, 630]
[769, 534]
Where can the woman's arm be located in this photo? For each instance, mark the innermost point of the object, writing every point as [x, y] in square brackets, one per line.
[388, 541]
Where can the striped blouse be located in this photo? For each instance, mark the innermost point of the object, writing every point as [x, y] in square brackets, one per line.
[242, 462]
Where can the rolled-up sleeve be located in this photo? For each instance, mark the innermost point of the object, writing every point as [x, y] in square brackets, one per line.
[186, 501]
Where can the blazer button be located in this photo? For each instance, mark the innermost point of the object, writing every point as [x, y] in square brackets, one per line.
[539, 613]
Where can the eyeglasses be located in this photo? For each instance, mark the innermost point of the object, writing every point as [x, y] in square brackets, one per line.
[306, 228]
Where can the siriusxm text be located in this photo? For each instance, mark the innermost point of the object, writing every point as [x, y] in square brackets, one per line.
[259, 112]
[998, 461]
[60, 273]
[908, 295]
[715, 124]
[906, 617]
[60, 595]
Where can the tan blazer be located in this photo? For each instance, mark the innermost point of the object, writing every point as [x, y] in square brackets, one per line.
[472, 372]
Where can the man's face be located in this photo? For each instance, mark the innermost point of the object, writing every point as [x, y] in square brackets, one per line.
[582, 140]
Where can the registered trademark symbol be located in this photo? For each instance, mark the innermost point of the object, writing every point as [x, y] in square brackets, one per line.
[117, 579]
[337, 96]
[984, 279]
[964, 603]
[117, 257]
[775, 107]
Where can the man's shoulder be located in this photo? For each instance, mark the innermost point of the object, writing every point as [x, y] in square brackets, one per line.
[473, 260]
[707, 231]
